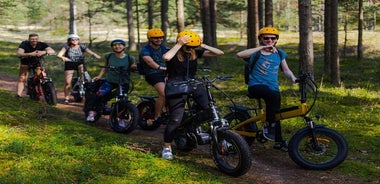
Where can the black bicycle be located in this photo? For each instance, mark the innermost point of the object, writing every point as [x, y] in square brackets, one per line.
[230, 152]
[40, 84]
[77, 84]
[123, 115]
[146, 112]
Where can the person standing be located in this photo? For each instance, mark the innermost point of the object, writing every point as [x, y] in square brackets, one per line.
[182, 62]
[31, 54]
[73, 54]
[155, 68]
[118, 58]
[263, 80]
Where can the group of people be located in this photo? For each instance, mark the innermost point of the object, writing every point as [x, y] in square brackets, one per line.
[178, 63]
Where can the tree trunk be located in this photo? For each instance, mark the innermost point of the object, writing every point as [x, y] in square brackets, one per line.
[131, 29]
[268, 13]
[306, 37]
[73, 14]
[150, 13]
[252, 24]
[335, 68]
[209, 27]
[180, 16]
[261, 15]
[327, 49]
[360, 31]
[164, 18]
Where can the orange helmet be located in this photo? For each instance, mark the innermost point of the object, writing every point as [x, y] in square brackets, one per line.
[155, 32]
[194, 39]
[269, 30]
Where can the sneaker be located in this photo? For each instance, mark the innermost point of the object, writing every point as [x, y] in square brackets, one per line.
[167, 154]
[282, 145]
[91, 116]
[122, 123]
[268, 131]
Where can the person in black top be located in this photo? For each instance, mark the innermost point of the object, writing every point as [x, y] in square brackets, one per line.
[30, 52]
[182, 61]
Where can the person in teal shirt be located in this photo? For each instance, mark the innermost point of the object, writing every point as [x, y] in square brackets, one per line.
[118, 58]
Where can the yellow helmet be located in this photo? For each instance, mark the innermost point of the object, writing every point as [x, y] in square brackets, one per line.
[194, 39]
[269, 30]
[155, 32]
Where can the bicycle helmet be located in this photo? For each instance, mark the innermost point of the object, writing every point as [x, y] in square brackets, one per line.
[269, 30]
[194, 39]
[73, 36]
[117, 41]
[155, 32]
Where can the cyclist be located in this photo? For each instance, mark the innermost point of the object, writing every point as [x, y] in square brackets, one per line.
[155, 68]
[182, 61]
[263, 80]
[118, 58]
[30, 52]
[72, 53]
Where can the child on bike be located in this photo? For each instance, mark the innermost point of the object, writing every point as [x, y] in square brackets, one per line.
[263, 80]
[31, 53]
[118, 58]
[182, 61]
[155, 68]
[73, 55]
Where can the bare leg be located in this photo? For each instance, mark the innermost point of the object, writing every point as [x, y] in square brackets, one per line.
[23, 76]
[68, 77]
[160, 102]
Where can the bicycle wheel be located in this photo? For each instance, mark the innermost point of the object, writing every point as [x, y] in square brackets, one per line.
[124, 117]
[231, 153]
[49, 93]
[235, 118]
[76, 90]
[32, 92]
[326, 150]
[146, 111]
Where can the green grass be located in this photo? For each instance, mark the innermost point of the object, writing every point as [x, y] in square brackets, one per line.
[42, 144]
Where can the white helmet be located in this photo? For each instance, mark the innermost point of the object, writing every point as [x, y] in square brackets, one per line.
[73, 36]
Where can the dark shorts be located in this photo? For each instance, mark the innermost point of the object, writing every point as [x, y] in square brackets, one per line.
[72, 65]
[153, 79]
[31, 64]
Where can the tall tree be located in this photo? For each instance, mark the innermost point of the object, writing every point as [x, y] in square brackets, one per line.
[305, 48]
[131, 29]
[73, 14]
[334, 59]
[252, 23]
[360, 31]
[327, 28]
[164, 17]
[208, 17]
[180, 16]
[150, 13]
[268, 13]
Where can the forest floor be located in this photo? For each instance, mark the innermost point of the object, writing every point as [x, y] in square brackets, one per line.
[269, 166]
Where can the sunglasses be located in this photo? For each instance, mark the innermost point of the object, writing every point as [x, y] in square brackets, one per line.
[272, 38]
[157, 38]
[74, 39]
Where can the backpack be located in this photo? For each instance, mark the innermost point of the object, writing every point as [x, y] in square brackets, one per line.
[248, 66]
[142, 67]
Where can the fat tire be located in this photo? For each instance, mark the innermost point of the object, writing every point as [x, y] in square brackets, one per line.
[33, 95]
[49, 93]
[237, 147]
[128, 112]
[146, 111]
[77, 97]
[302, 152]
[235, 118]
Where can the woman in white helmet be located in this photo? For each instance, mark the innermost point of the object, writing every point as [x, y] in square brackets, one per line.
[72, 54]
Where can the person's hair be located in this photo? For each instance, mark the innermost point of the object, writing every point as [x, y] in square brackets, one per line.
[33, 35]
[181, 54]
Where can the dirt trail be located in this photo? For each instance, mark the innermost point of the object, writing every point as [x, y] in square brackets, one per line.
[269, 166]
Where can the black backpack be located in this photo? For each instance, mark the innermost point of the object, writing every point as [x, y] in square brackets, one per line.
[248, 66]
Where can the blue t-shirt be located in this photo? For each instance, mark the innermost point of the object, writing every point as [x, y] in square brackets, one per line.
[265, 71]
[156, 55]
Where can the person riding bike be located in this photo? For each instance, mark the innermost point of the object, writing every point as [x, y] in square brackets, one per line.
[72, 53]
[118, 58]
[263, 80]
[182, 61]
[155, 68]
[31, 53]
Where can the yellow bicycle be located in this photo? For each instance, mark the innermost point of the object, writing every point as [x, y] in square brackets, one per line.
[312, 147]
